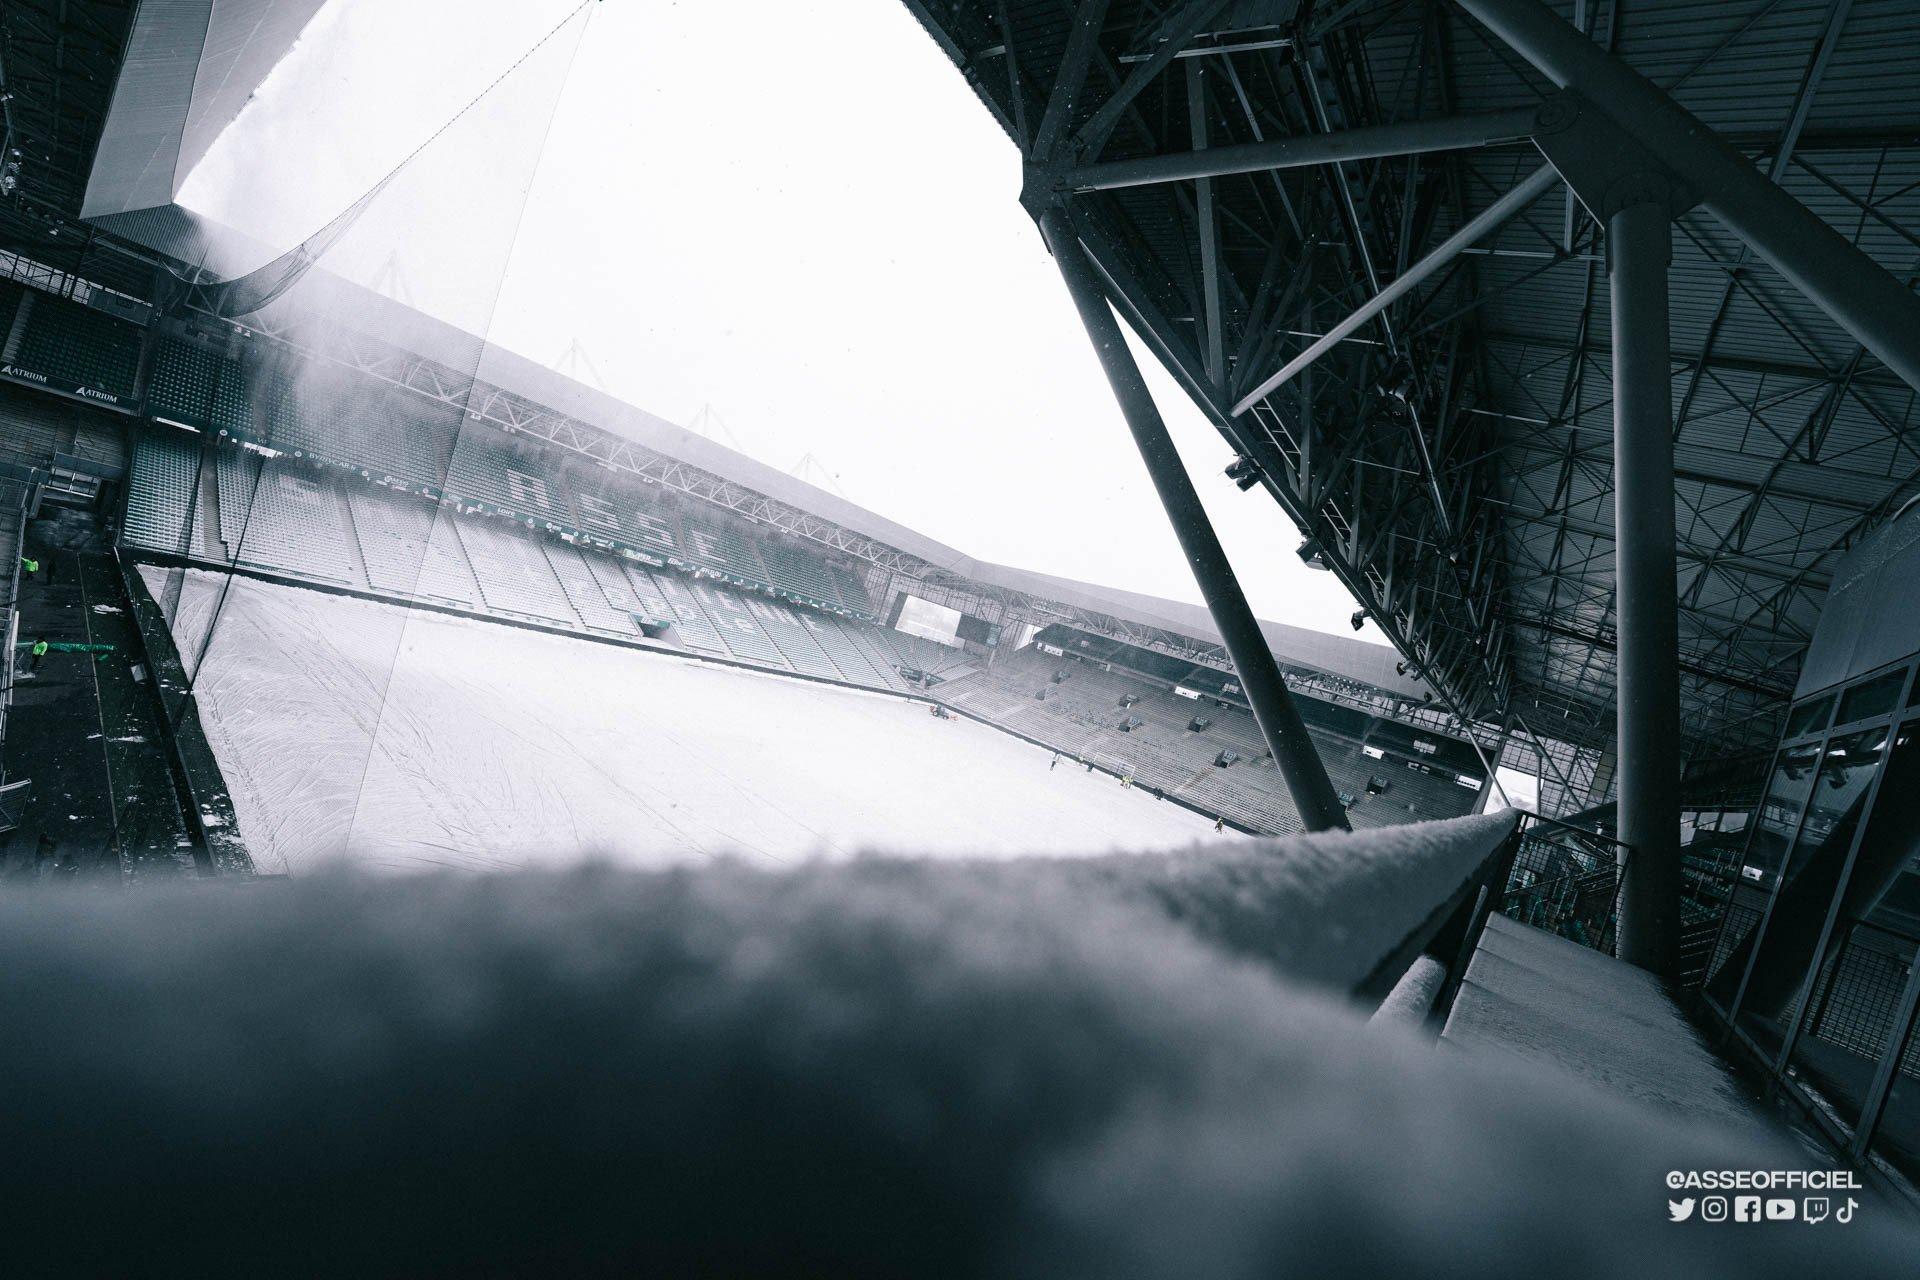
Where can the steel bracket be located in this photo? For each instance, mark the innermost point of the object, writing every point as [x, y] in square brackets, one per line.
[1606, 168]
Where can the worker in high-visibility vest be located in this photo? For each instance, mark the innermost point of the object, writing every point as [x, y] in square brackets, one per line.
[39, 652]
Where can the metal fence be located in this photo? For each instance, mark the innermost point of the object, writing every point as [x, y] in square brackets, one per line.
[1566, 880]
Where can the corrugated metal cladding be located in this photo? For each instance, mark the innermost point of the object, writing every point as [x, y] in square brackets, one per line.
[1791, 442]
[190, 66]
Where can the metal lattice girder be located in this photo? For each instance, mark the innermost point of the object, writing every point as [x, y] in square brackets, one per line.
[1452, 460]
[59, 60]
[1850, 286]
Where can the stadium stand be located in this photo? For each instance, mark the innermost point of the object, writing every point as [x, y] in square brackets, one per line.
[237, 474]
[584, 593]
[190, 384]
[722, 550]
[331, 526]
[331, 414]
[871, 645]
[485, 472]
[922, 654]
[11, 295]
[593, 510]
[653, 539]
[739, 629]
[802, 652]
[295, 524]
[394, 440]
[691, 623]
[1077, 708]
[650, 597]
[410, 548]
[160, 492]
[618, 591]
[29, 436]
[77, 344]
[514, 577]
[800, 574]
[834, 639]
[654, 534]
[609, 509]
[852, 592]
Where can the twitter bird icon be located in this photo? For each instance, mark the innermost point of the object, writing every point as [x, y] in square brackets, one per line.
[1681, 1210]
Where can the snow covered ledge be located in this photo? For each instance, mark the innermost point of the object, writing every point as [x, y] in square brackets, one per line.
[1052, 1067]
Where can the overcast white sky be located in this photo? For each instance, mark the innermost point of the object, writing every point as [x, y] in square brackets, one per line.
[796, 215]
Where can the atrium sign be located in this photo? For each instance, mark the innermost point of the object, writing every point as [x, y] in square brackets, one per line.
[60, 386]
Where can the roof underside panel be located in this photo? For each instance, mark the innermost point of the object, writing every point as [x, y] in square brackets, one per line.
[189, 68]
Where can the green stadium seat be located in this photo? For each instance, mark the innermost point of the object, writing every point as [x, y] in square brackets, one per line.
[160, 492]
[75, 343]
[723, 549]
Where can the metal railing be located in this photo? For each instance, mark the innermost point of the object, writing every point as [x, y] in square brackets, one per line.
[1566, 881]
[1416, 982]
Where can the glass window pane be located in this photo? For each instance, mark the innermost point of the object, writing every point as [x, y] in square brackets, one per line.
[1850, 1011]
[1811, 877]
[1779, 817]
[1885, 888]
[1871, 698]
[1809, 717]
[1897, 1137]
[1850, 1017]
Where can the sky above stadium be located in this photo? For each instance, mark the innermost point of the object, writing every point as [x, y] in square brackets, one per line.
[791, 226]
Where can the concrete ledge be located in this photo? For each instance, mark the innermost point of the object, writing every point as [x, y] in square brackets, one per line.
[1544, 1000]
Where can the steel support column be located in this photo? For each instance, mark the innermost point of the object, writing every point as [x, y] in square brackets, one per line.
[1639, 248]
[1280, 725]
[1862, 296]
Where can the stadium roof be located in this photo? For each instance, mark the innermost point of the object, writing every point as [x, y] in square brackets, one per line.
[188, 69]
[59, 60]
[1455, 464]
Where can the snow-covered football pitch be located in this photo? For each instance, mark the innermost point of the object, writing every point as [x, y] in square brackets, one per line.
[397, 738]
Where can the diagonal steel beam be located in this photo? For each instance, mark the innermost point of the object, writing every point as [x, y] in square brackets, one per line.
[1366, 142]
[1530, 189]
[1279, 720]
[1215, 341]
[1174, 32]
[1783, 154]
[1083, 42]
[1860, 294]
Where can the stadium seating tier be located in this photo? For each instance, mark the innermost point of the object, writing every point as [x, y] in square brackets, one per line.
[324, 524]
